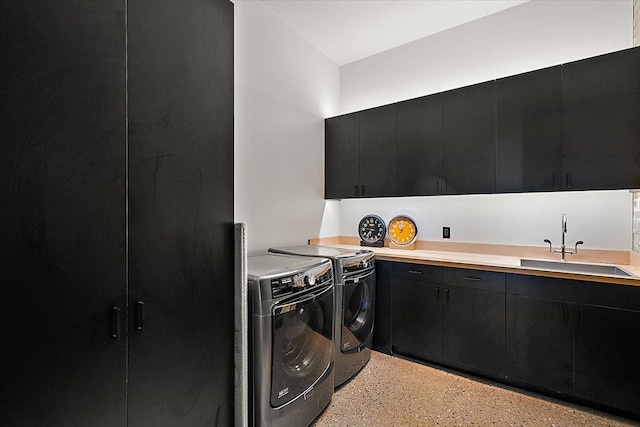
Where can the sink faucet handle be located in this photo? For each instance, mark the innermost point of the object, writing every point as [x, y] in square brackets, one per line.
[579, 242]
[550, 246]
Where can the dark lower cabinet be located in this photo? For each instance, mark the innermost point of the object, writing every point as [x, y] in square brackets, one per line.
[563, 337]
[117, 213]
[382, 329]
[607, 356]
[417, 319]
[461, 326]
[539, 342]
[473, 329]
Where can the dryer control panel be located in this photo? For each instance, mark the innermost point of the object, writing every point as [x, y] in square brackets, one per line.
[301, 281]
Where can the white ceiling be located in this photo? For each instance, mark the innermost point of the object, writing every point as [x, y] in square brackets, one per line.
[349, 30]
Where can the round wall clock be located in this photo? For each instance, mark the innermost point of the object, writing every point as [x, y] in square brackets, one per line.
[372, 231]
[402, 230]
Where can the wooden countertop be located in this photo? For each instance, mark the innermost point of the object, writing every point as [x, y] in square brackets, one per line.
[493, 258]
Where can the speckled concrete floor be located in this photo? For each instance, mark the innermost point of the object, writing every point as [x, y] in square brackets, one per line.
[391, 391]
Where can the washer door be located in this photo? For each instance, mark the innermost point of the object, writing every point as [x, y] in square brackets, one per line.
[358, 307]
[302, 344]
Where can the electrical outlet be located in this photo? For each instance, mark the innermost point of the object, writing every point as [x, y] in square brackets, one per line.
[446, 232]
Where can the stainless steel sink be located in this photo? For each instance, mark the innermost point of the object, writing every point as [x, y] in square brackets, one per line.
[576, 267]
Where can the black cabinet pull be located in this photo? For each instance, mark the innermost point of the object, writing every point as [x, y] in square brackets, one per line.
[437, 186]
[474, 279]
[438, 293]
[415, 271]
[355, 190]
[116, 323]
[568, 180]
[362, 190]
[580, 314]
[555, 181]
[446, 293]
[139, 315]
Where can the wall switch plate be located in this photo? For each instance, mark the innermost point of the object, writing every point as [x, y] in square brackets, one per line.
[446, 232]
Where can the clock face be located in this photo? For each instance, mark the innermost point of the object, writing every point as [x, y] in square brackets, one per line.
[402, 230]
[372, 229]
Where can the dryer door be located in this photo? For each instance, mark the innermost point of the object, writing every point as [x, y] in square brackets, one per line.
[358, 307]
[302, 344]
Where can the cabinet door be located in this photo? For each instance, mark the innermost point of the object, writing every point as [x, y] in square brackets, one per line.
[382, 318]
[417, 319]
[181, 213]
[600, 125]
[469, 139]
[419, 146]
[539, 340]
[342, 163]
[528, 132]
[473, 331]
[62, 220]
[608, 356]
[377, 130]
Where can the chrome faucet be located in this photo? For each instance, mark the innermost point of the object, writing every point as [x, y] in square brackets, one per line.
[563, 249]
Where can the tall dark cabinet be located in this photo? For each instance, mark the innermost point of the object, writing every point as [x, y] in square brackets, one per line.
[116, 221]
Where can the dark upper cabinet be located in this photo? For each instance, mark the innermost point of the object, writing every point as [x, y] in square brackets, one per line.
[469, 139]
[377, 135]
[607, 356]
[62, 221]
[419, 146]
[342, 162]
[570, 127]
[539, 342]
[600, 122]
[529, 108]
[360, 152]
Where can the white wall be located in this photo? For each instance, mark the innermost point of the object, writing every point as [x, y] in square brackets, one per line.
[284, 88]
[533, 35]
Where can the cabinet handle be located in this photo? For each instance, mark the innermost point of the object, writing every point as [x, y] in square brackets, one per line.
[355, 190]
[437, 293]
[415, 272]
[555, 181]
[568, 179]
[116, 323]
[446, 293]
[437, 186]
[473, 279]
[362, 190]
[139, 315]
[446, 186]
[580, 315]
